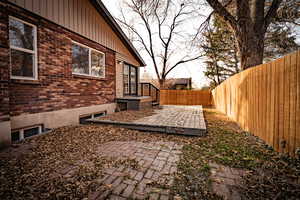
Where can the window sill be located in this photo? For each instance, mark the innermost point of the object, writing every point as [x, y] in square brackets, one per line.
[24, 81]
[89, 77]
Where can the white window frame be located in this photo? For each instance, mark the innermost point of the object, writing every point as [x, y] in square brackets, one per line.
[21, 132]
[33, 52]
[90, 61]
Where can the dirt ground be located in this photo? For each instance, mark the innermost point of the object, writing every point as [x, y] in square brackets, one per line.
[34, 169]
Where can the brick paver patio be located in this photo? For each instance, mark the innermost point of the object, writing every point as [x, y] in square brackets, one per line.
[156, 164]
[224, 181]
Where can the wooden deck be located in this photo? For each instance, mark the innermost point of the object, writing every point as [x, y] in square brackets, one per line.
[183, 120]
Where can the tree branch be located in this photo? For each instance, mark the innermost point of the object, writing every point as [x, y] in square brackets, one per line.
[222, 12]
[141, 40]
[271, 12]
[140, 12]
[181, 62]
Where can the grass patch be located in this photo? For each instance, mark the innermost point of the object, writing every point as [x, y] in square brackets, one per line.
[270, 175]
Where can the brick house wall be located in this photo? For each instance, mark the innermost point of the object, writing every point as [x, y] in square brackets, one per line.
[4, 79]
[57, 88]
[4, 70]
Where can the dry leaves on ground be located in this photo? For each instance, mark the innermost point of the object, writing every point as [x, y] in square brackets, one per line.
[129, 116]
[64, 163]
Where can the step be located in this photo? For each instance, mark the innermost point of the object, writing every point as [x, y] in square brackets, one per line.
[155, 103]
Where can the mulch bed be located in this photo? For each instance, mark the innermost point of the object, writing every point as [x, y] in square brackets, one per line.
[31, 170]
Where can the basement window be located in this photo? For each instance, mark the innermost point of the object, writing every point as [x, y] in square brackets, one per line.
[31, 132]
[101, 114]
[82, 118]
[23, 133]
[15, 136]
[87, 61]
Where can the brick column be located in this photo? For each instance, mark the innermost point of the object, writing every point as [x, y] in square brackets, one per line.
[5, 128]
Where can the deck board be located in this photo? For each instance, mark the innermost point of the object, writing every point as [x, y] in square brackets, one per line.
[184, 120]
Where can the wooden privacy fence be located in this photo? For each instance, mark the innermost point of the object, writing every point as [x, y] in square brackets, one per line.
[265, 100]
[185, 97]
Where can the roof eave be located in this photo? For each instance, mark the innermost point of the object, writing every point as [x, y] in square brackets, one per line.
[114, 25]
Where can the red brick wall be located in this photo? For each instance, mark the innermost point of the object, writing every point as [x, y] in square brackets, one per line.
[56, 87]
[4, 70]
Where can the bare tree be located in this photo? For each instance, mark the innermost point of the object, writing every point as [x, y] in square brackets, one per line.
[155, 25]
[249, 22]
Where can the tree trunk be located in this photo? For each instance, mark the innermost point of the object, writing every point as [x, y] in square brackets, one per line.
[217, 72]
[162, 83]
[251, 49]
[249, 25]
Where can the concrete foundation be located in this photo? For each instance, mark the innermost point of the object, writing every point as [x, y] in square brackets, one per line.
[58, 118]
[5, 129]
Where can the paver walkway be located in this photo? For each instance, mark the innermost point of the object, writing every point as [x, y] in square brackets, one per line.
[157, 161]
[224, 180]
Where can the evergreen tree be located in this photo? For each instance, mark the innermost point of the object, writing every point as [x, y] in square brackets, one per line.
[221, 51]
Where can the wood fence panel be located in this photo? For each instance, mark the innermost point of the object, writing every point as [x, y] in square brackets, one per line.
[297, 141]
[281, 103]
[265, 100]
[286, 121]
[276, 106]
[185, 97]
[269, 118]
[293, 99]
[271, 82]
[256, 96]
[262, 100]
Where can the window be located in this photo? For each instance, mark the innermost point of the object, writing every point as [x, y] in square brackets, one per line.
[23, 133]
[126, 79]
[31, 132]
[15, 136]
[130, 80]
[87, 61]
[133, 80]
[83, 118]
[100, 114]
[23, 56]
[97, 64]
[80, 59]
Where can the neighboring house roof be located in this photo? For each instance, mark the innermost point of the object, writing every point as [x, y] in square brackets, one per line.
[152, 81]
[169, 83]
[114, 25]
[180, 81]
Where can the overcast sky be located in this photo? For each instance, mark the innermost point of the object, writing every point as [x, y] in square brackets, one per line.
[191, 69]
